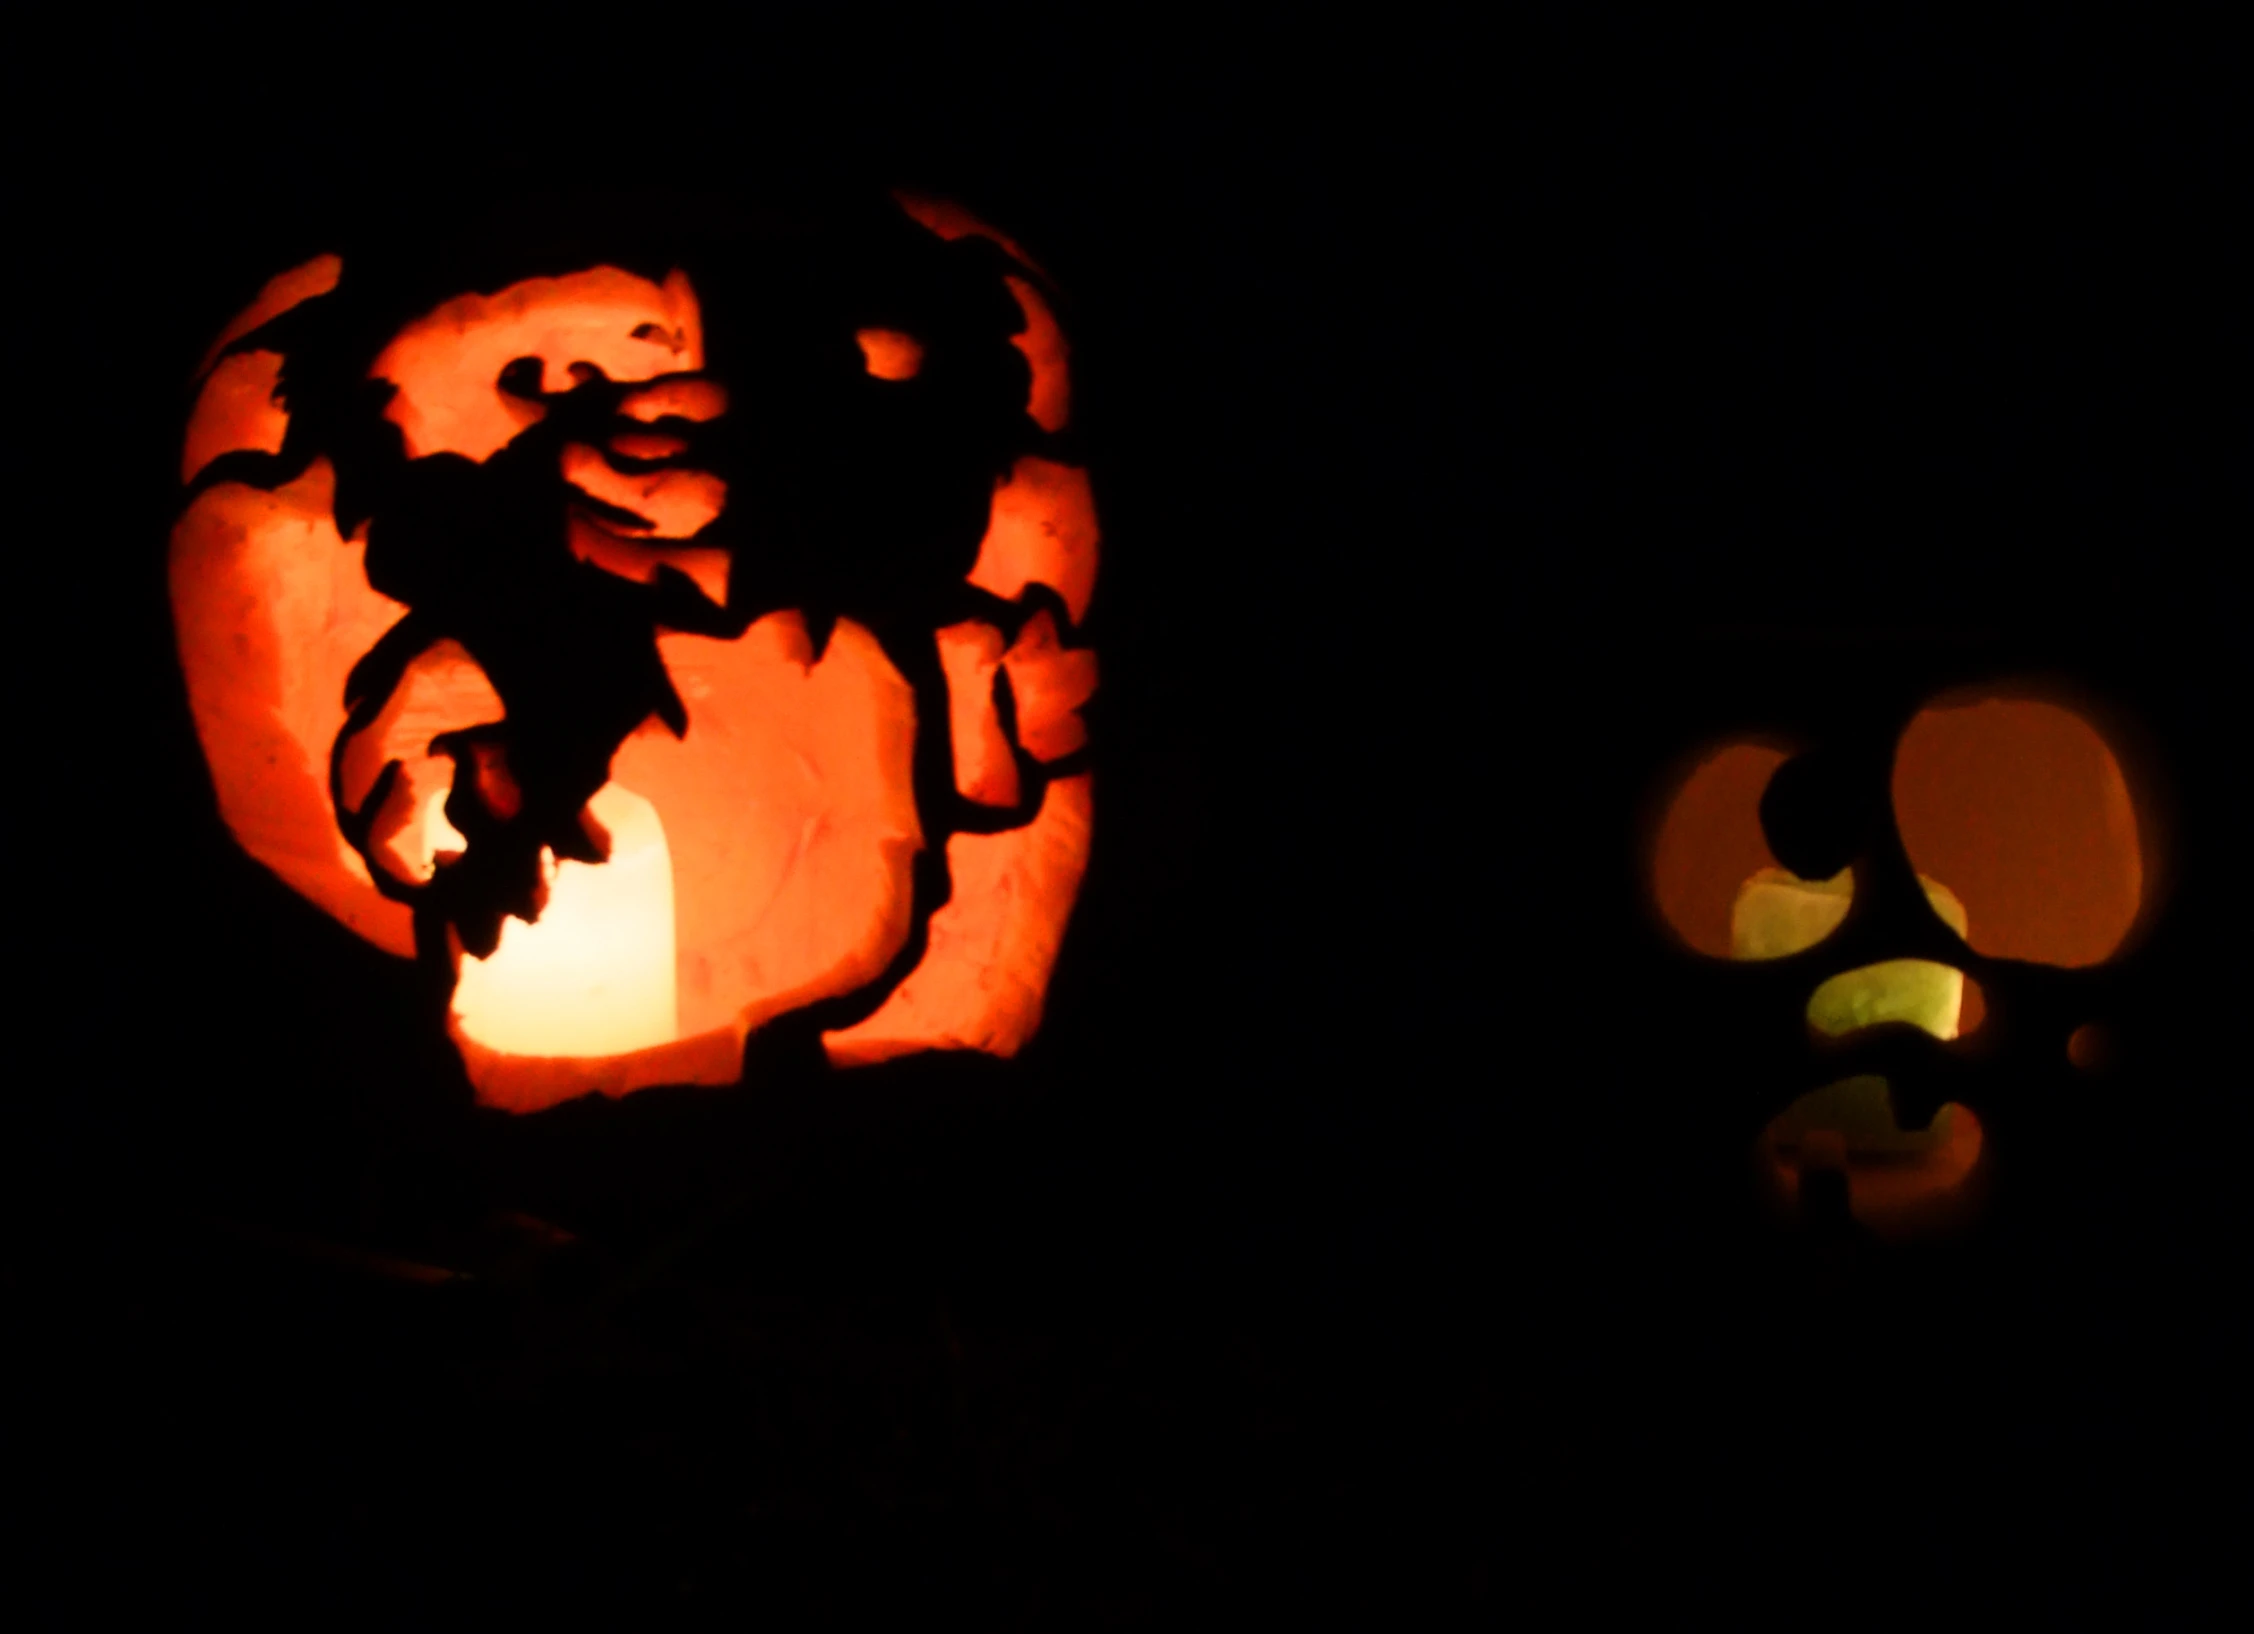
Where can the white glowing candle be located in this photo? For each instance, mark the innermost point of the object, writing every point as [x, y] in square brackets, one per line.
[594, 975]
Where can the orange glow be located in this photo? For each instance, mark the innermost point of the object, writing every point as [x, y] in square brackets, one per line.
[496, 784]
[1042, 531]
[891, 354]
[676, 400]
[789, 804]
[2021, 809]
[992, 948]
[1894, 1195]
[647, 445]
[1043, 342]
[1044, 348]
[594, 976]
[443, 691]
[789, 826]
[1974, 1009]
[984, 769]
[1710, 843]
[283, 291]
[674, 502]
[760, 862]
[236, 411]
[272, 610]
[447, 364]
[951, 221]
[1050, 682]
[639, 558]
[2090, 1047]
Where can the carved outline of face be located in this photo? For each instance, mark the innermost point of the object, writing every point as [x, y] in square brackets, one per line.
[2002, 794]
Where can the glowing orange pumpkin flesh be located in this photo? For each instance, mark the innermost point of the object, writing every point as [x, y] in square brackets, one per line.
[890, 354]
[447, 365]
[2023, 809]
[770, 845]
[236, 411]
[283, 291]
[1710, 843]
[1895, 1197]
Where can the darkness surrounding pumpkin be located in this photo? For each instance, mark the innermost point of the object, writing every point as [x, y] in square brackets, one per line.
[1362, 1183]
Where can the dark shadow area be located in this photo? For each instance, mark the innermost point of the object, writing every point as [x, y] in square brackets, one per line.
[1370, 1223]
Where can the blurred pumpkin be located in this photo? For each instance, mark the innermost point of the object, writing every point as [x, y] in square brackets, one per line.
[1905, 880]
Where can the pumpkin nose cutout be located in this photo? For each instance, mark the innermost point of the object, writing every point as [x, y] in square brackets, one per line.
[1918, 991]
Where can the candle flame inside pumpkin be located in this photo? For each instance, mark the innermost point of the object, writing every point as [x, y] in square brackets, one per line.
[594, 974]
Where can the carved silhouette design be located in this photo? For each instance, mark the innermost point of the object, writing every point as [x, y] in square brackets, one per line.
[668, 636]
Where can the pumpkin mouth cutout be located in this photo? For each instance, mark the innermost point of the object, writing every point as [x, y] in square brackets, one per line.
[1899, 1183]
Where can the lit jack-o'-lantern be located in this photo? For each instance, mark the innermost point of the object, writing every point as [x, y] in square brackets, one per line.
[1920, 896]
[657, 692]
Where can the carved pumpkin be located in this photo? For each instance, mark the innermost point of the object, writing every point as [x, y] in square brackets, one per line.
[656, 693]
[1917, 890]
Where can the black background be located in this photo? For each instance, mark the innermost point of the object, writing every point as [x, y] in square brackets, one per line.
[1438, 388]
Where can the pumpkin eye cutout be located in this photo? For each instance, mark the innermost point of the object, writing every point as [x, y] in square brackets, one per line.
[1809, 813]
[1714, 879]
[2021, 809]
